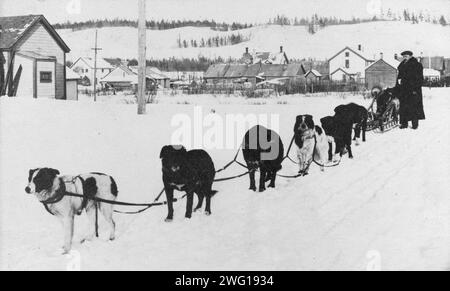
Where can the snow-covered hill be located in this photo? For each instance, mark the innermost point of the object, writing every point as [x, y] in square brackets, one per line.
[376, 37]
[388, 208]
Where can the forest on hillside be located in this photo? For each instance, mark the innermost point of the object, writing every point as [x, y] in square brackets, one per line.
[152, 24]
[312, 23]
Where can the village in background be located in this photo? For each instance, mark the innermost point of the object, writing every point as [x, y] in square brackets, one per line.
[37, 59]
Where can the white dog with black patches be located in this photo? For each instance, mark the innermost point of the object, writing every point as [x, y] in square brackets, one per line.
[51, 190]
[312, 143]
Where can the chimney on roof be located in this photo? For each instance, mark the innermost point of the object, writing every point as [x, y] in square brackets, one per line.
[381, 56]
[360, 47]
[281, 49]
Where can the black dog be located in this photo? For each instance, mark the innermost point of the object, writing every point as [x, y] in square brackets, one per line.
[263, 150]
[340, 129]
[354, 114]
[329, 126]
[192, 172]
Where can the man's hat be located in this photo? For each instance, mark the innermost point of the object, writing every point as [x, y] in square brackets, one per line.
[407, 53]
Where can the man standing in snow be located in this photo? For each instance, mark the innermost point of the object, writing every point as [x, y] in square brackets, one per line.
[409, 86]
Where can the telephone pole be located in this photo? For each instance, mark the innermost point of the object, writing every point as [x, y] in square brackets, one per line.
[142, 57]
[96, 49]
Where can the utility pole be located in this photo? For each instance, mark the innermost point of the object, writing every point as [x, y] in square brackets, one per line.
[142, 57]
[96, 49]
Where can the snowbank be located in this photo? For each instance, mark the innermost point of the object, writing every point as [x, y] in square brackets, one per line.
[387, 209]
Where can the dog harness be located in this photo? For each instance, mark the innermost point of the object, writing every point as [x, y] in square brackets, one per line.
[61, 192]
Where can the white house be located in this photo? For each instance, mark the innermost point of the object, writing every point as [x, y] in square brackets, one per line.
[84, 66]
[120, 78]
[348, 64]
[31, 45]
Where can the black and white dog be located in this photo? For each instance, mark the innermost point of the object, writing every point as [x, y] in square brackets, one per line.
[312, 143]
[263, 149]
[192, 172]
[50, 189]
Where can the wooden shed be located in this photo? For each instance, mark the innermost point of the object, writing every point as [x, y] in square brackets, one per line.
[381, 73]
[32, 44]
[72, 80]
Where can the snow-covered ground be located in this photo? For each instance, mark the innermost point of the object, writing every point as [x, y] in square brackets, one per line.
[388, 209]
[375, 37]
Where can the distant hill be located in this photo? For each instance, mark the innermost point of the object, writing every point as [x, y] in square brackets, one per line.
[388, 37]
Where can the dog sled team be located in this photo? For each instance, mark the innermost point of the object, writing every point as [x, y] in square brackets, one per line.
[194, 172]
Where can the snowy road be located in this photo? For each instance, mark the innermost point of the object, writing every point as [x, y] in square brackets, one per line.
[388, 209]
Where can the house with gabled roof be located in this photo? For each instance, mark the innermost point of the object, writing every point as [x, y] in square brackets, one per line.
[30, 48]
[348, 64]
[84, 66]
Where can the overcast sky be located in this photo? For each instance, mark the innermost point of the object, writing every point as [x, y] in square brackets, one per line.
[253, 11]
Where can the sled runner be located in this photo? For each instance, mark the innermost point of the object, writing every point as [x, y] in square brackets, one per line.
[384, 110]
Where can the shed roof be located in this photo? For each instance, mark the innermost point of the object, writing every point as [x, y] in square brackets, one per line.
[236, 71]
[272, 70]
[293, 70]
[252, 70]
[216, 71]
[155, 73]
[391, 63]
[314, 72]
[71, 75]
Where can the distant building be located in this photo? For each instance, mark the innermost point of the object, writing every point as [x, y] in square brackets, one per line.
[223, 74]
[84, 66]
[121, 78]
[348, 64]
[158, 77]
[216, 73]
[435, 63]
[185, 76]
[124, 78]
[431, 75]
[313, 76]
[30, 42]
[382, 73]
[279, 58]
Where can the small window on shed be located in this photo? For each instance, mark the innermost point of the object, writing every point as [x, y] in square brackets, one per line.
[46, 77]
[347, 54]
